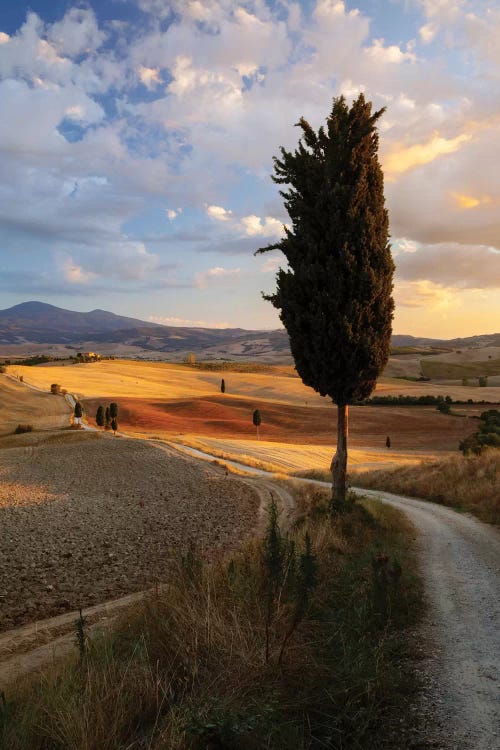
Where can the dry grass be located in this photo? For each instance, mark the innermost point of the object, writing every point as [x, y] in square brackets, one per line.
[186, 670]
[472, 484]
[21, 405]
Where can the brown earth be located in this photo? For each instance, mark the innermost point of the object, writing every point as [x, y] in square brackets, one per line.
[410, 428]
[88, 517]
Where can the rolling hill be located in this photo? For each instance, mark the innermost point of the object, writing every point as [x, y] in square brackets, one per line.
[37, 327]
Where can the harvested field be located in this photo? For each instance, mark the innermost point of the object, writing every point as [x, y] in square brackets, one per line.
[21, 405]
[438, 369]
[287, 458]
[410, 428]
[88, 517]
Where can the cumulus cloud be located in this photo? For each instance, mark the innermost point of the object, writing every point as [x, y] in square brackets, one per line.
[219, 213]
[75, 274]
[77, 33]
[86, 151]
[451, 265]
[150, 77]
[216, 275]
[266, 227]
[425, 294]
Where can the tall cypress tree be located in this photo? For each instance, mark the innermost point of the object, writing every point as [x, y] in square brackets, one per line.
[335, 295]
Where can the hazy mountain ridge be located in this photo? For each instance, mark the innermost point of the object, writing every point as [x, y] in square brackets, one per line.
[40, 323]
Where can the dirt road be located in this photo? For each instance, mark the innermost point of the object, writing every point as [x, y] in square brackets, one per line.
[460, 562]
[461, 567]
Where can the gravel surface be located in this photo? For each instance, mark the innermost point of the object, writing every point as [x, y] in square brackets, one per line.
[85, 518]
[461, 660]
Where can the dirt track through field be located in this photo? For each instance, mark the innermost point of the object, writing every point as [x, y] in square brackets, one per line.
[461, 566]
[460, 562]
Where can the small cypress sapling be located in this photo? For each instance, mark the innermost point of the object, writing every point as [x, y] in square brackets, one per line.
[114, 425]
[222, 386]
[273, 566]
[99, 417]
[257, 421]
[80, 635]
[78, 412]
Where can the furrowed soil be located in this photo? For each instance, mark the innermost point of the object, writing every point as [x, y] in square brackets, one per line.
[88, 517]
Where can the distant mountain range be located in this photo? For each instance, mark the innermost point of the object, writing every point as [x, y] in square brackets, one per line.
[38, 323]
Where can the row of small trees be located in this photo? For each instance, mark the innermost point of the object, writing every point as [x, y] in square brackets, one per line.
[107, 417]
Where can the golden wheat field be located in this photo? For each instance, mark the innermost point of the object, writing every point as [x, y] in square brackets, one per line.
[184, 404]
[134, 379]
[286, 458]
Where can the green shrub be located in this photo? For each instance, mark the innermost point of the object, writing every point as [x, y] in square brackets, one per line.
[23, 428]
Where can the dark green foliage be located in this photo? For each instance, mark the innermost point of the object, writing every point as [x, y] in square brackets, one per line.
[335, 296]
[273, 559]
[80, 635]
[78, 410]
[23, 428]
[222, 386]
[488, 434]
[107, 418]
[113, 410]
[257, 421]
[99, 417]
[388, 442]
[444, 407]
[114, 425]
[483, 382]
[427, 400]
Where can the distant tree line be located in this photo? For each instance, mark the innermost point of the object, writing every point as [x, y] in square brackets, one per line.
[402, 400]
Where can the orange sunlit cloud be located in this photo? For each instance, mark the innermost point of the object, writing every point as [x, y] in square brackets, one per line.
[469, 201]
[402, 159]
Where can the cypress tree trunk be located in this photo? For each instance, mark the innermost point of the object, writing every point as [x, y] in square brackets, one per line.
[339, 461]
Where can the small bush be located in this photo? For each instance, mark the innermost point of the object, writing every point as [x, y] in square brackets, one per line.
[23, 428]
[55, 389]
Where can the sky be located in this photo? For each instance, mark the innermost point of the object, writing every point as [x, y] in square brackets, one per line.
[137, 137]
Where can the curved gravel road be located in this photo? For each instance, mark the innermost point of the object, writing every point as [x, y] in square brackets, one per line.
[461, 569]
[460, 640]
